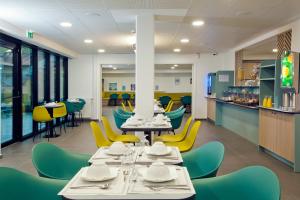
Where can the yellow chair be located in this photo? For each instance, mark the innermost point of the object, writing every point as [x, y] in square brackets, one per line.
[41, 115]
[167, 108]
[170, 107]
[61, 112]
[130, 106]
[179, 136]
[123, 106]
[189, 141]
[112, 136]
[100, 140]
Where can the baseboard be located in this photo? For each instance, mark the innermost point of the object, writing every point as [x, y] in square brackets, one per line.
[1, 156]
[200, 119]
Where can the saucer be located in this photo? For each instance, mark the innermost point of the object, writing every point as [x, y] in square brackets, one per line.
[173, 175]
[104, 177]
[161, 153]
[109, 152]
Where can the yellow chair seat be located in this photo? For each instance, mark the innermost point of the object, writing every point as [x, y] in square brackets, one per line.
[178, 137]
[100, 140]
[188, 142]
[114, 137]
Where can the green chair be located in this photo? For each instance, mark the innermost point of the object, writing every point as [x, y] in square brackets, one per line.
[120, 119]
[113, 99]
[164, 101]
[80, 107]
[125, 98]
[174, 111]
[123, 112]
[204, 162]
[186, 102]
[53, 162]
[176, 119]
[72, 109]
[16, 185]
[250, 183]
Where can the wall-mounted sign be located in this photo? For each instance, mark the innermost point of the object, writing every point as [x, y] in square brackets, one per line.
[223, 78]
[29, 34]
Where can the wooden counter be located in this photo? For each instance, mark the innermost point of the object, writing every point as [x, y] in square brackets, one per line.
[211, 108]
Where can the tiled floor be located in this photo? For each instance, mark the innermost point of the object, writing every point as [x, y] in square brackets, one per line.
[239, 153]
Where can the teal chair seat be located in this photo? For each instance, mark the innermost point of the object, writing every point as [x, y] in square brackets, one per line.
[250, 183]
[204, 162]
[186, 100]
[123, 112]
[53, 162]
[17, 185]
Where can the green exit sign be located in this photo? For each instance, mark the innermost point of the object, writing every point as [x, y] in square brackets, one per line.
[29, 34]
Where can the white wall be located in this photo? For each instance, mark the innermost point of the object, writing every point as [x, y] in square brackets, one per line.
[166, 82]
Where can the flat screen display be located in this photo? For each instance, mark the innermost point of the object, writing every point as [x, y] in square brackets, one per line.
[287, 69]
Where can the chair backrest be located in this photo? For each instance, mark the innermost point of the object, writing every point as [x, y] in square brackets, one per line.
[53, 162]
[98, 135]
[186, 100]
[176, 119]
[174, 111]
[164, 100]
[250, 183]
[119, 119]
[205, 161]
[171, 106]
[60, 111]
[70, 107]
[190, 139]
[113, 96]
[16, 185]
[123, 106]
[167, 108]
[125, 96]
[123, 112]
[187, 125]
[130, 106]
[40, 114]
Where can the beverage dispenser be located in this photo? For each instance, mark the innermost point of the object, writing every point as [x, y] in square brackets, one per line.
[210, 83]
[290, 80]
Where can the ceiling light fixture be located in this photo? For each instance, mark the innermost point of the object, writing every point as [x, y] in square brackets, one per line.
[8, 51]
[66, 24]
[101, 50]
[275, 50]
[110, 66]
[88, 41]
[177, 50]
[184, 40]
[173, 67]
[115, 68]
[198, 23]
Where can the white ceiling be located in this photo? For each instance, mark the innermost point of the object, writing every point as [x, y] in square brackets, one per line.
[109, 22]
[178, 68]
[261, 49]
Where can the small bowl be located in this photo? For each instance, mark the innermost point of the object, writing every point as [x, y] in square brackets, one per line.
[117, 148]
[98, 170]
[158, 147]
[158, 170]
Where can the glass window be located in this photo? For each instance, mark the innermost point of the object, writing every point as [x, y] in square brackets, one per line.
[52, 77]
[26, 54]
[62, 78]
[41, 76]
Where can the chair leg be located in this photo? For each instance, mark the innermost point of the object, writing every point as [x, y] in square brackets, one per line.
[159, 133]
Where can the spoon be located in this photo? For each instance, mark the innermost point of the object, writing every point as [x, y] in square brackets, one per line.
[103, 186]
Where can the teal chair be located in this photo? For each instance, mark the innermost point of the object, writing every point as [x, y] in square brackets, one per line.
[176, 119]
[113, 99]
[125, 98]
[186, 102]
[80, 107]
[123, 112]
[72, 109]
[164, 100]
[120, 119]
[17, 185]
[204, 162]
[174, 111]
[250, 183]
[50, 161]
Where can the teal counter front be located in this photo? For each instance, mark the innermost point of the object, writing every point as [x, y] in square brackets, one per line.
[240, 119]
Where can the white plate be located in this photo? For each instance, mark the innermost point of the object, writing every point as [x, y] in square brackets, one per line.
[167, 152]
[113, 174]
[109, 152]
[173, 175]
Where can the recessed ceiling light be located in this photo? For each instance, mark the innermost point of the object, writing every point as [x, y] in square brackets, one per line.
[198, 23]
[8, 51]
[275, 50]
[176, 50]
[101, 50]
[115, 68]
[88, 41]
[184, 40]
[173, 67]
[66, 24]
[110, 66]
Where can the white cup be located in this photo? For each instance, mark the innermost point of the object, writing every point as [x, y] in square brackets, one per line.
[159, 147]
[98, 170]
[158, 170]
[117, 147]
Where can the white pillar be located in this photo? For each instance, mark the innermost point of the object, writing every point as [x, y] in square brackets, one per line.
[144, 74]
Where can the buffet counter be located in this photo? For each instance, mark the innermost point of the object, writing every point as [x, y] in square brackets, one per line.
[241, 119]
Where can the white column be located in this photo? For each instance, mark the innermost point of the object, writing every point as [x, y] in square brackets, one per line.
[144, 74]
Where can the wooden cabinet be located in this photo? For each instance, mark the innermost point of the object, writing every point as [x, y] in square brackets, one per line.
[276, 133]
[211, 109]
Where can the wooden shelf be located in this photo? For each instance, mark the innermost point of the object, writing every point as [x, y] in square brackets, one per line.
[267, 79]
[268, 66]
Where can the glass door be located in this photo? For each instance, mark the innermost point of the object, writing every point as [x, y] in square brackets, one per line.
[27, 104]
[7, 80]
